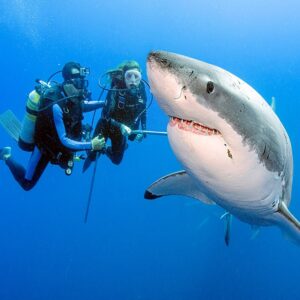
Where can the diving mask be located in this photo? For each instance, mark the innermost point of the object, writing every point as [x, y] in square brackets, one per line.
[132, 78]
[82, 72]
[77, 76]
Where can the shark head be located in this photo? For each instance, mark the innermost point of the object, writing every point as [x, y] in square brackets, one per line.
[222, 131]
[217, 101]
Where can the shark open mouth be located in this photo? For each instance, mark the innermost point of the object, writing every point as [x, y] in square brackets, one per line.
[192, 126]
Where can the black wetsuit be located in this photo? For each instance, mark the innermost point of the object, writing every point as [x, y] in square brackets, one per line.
[57, 137]
[125, 108]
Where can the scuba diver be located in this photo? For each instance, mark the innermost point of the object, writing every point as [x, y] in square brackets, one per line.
[52, 129]
[124, 111]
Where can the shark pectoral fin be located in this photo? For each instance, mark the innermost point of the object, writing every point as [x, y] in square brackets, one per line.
[178, 183]
[289, 225]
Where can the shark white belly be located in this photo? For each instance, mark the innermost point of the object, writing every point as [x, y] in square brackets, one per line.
[233, 148]
[238, 183]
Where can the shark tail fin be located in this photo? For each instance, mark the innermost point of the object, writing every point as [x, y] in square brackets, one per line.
[11, 124]
[288, 224]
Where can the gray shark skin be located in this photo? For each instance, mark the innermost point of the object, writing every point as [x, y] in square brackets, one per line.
[234, 150]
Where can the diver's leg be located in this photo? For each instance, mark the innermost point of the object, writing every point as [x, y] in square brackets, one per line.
[118, 146]
[36, 166]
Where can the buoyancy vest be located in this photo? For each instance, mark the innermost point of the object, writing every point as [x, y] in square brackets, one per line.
[127, 107]
[46, 137]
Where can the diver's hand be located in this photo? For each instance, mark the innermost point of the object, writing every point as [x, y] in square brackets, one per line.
[125, 130]
[139, 137]
[98, 143]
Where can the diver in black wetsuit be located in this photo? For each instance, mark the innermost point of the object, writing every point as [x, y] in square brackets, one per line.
[58, 128]
[124, 111]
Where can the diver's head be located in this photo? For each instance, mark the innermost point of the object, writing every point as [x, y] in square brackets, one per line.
[132, 74]
[74, 74]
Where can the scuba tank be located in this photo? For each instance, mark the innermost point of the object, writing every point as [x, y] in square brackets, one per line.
[26, 138]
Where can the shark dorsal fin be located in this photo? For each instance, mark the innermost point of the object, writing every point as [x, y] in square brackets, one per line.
[273, 103]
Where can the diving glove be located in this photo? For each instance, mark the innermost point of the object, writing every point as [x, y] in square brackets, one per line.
[125, 130]
[98, 143]
[139, 137]
[5, 153]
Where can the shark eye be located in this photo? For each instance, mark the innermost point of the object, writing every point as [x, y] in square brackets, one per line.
[210, 87]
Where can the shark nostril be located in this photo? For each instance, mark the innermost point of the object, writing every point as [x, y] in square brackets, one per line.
[164, 61]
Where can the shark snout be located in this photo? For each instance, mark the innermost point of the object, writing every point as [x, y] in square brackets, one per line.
[160, 58]
[154, 56]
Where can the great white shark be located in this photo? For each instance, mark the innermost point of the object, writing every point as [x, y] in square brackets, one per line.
[234, 150]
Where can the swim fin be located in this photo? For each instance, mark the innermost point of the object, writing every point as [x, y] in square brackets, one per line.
[87, 162]
[92, 156]
[11, 124]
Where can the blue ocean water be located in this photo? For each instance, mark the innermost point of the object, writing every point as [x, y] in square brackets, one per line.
[132, 248]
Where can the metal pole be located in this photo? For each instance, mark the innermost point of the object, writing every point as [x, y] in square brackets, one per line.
[153, 132]
[91, 189]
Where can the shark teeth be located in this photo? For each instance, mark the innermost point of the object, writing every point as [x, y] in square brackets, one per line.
[194, 127]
